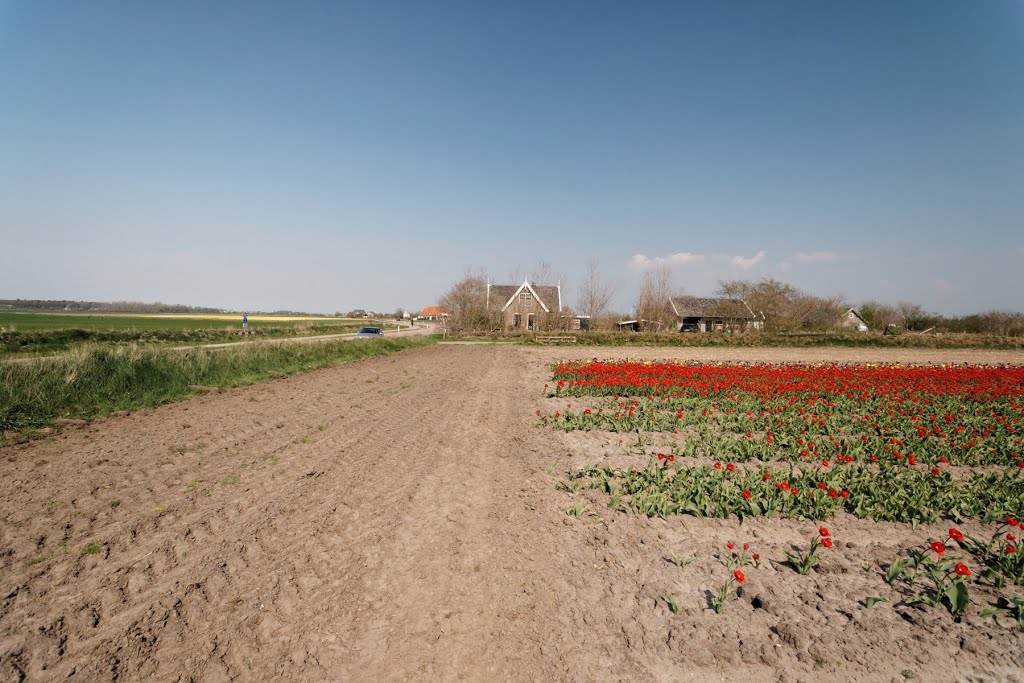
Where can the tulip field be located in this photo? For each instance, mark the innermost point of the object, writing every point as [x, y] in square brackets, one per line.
[929, 445]
[891, 443]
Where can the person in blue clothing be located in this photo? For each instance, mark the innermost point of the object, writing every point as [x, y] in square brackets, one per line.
[245, 323]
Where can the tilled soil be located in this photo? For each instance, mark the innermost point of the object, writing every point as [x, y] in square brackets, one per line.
[397, 518]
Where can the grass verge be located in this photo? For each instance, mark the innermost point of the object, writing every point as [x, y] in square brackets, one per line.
[98, 380]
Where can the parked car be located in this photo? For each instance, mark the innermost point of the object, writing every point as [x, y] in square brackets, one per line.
[369, 333]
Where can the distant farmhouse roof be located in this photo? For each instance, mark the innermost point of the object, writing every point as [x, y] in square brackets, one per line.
[436, 311]
[823, 315]
[854, 313]
[549, 297]
[708, 307]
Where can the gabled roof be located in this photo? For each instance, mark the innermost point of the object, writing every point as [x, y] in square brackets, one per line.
[821, 315]
[824, 314]
[706, 307]
[433, 310]
[857, 314]
[549, 297]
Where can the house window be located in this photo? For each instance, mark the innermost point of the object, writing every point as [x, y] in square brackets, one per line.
[531, 321]
[525, 298]
[517, 321]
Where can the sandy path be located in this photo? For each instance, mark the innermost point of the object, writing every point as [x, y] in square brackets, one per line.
[391, 519]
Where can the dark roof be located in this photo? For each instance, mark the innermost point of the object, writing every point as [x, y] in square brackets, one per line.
[829, 315]
[819, 315]
[548, 294]
[708, 307]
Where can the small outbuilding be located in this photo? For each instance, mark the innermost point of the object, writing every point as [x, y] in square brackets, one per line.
[706, 314]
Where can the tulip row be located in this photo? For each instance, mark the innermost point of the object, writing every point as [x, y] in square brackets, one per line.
[892, 494]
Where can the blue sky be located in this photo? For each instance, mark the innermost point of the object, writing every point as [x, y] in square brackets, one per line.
[325, 156]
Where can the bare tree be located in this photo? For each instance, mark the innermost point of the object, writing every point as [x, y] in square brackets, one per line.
[595, 294]
[913, 317]
[771, 298]
[816, 312]
[1005, 323]
[466, 301]
[653, 309]
[542, 274]
[877, 315]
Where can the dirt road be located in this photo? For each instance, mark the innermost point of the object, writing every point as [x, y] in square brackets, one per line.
[390, 519]
[420, 330]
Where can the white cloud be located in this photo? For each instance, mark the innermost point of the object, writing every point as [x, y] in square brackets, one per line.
[744, 263]
[785, 266]
[942, 285]
[682, 258]
[817, 257]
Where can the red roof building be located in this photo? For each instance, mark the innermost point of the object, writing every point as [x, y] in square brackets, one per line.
[432, 313]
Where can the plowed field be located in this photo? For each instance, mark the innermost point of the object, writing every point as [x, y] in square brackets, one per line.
[397, 518]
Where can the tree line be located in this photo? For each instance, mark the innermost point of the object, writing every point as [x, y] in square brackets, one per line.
[780, 306]
[105, 306]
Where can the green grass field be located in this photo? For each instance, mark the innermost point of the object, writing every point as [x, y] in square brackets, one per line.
[43, 333]
[35, 321]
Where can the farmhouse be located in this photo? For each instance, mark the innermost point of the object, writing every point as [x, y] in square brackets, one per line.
[703, 314]
[526, 307]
